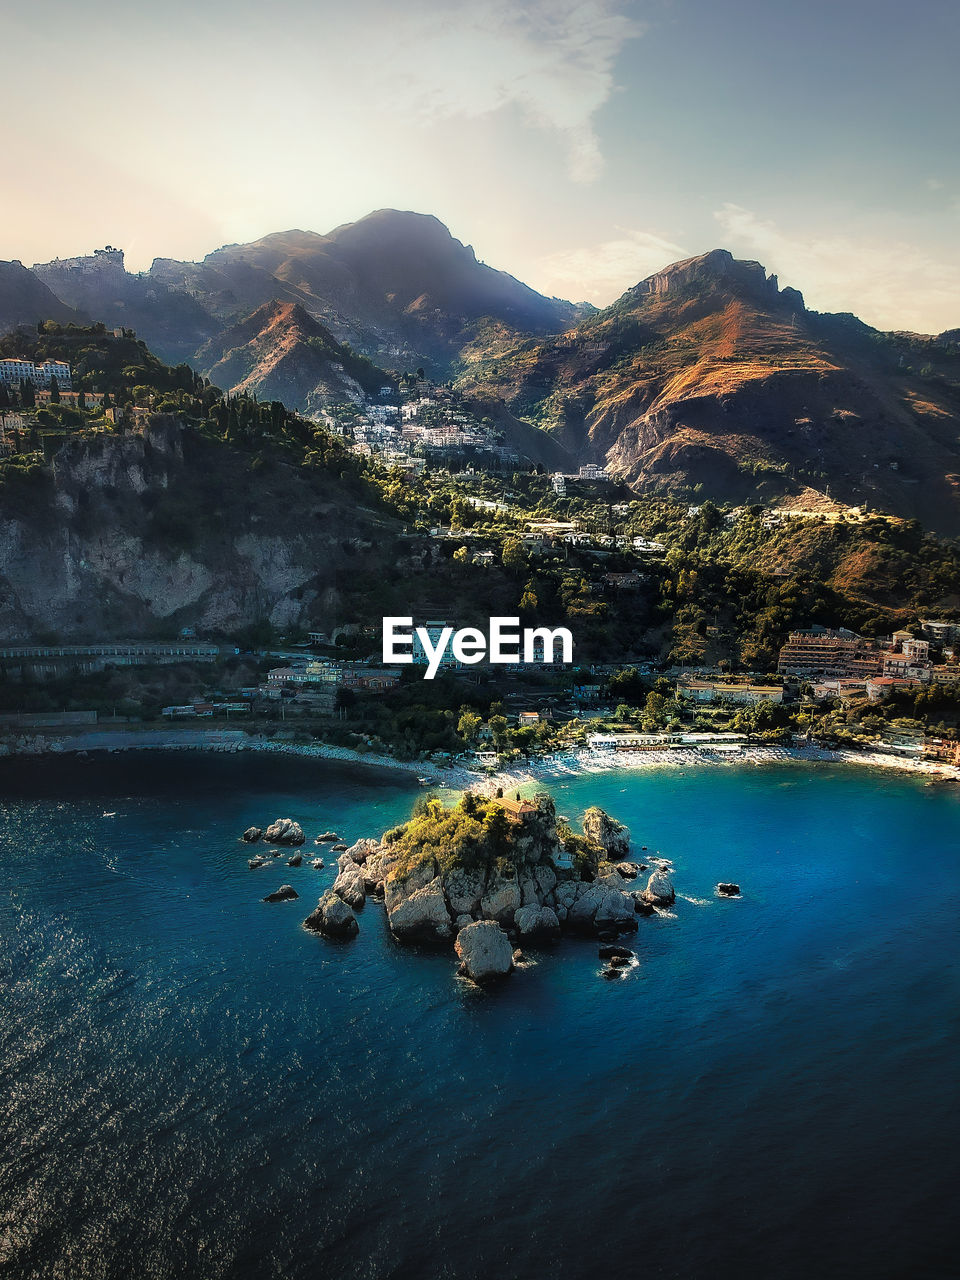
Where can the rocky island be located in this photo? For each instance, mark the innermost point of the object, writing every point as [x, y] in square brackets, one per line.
[488, 874]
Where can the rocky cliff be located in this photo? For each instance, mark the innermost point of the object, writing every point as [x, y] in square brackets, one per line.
[139, 535]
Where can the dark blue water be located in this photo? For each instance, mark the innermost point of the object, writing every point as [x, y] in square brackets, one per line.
[192, 1086]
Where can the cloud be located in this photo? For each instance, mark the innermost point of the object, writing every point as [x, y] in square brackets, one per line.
[600, 273]
[889, 283]
[553, 60]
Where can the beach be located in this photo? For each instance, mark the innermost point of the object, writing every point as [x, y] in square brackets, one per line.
[458, 776]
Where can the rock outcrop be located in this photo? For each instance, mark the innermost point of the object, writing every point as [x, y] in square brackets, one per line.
[333, 917]
[501, 900]
[349, 884]
[484, 950]
[537, 922]
[464, 890]
[659, 891]
[252, 835]
[612, 836]
[417, 907]
[286, 893]
[596, 908]
[284, 831]
[726, 889]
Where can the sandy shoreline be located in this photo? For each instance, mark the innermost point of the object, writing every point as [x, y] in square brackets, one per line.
[456, 776]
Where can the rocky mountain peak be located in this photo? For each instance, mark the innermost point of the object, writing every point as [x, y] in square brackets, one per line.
[719, 270]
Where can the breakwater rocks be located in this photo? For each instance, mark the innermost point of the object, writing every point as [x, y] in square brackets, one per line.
[489, 874]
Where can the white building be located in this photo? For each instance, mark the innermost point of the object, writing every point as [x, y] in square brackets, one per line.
[14, 372]
[559, 482]
[592, 471]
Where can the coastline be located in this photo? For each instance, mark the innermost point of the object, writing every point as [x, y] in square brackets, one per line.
[457, 777]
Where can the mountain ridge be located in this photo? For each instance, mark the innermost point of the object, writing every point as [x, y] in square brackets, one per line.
[708, 374]
[705, 376]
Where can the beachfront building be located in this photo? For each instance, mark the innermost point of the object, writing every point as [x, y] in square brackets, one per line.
[822, 652]
[706, 691]
[632, 741]
[943, 750]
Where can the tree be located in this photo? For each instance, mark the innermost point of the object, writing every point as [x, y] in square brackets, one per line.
[461, 555]
[653, 710]
[468, 724]
[513, 556]
[500, 730]
[54, 390]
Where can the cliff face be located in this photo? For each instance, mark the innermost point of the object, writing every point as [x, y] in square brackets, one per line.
[140, 535]
[709, 374]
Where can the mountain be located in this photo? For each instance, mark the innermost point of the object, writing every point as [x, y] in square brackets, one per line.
[397, 285]
[281, 353]
[708, 375]
[172, 322]
[25, 299]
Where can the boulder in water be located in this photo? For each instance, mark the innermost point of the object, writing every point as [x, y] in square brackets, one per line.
[253, 863]
[318, 864]
[284, 831]
[252, 835]
[609, 950]
[326, 837]
[727, 889]
[659, 891]
[485, 951]
[333, 917]
[295, 860]
[286, 893]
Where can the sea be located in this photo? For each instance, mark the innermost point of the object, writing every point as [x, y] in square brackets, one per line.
[194, 1086]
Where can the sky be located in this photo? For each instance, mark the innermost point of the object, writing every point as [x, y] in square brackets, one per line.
[579, 144]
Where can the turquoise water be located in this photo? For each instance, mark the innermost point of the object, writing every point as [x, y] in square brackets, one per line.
[193, 1086]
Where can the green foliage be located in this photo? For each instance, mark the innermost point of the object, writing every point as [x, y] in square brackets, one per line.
[474, 834]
